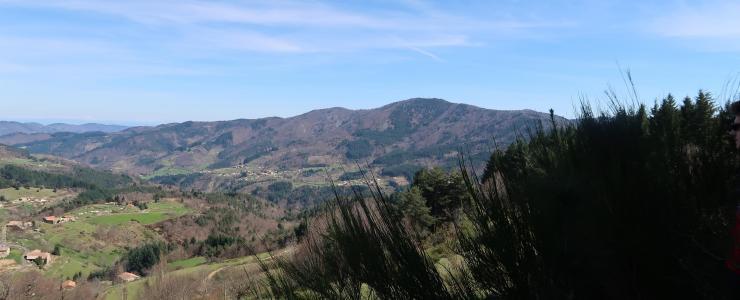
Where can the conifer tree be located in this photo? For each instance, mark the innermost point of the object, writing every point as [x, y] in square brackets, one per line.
[414, 207]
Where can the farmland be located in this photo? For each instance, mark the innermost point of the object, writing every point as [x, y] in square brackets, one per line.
[101, 234]
[13, 194]
[156, 212]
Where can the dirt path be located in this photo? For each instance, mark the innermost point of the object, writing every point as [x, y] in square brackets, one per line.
[281, 253]
[24, 250]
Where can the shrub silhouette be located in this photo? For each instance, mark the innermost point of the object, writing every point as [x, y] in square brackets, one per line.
[623, 205]
[627, 204]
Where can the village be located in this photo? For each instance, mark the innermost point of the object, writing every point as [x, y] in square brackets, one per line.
[308, 175]
[24, 241]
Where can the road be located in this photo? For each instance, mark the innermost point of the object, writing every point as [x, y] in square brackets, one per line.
[281, 253]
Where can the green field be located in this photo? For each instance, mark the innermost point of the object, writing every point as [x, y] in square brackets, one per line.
[16, 254]
[116, 219]
[99, 237]
[32, 163]
[157, 212]
[13, 194]
[187, 263]
[81, 251]
[168, 171]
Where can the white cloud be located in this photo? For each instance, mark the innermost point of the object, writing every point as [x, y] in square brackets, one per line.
[273, 13]
[715, 19]
[189, 28]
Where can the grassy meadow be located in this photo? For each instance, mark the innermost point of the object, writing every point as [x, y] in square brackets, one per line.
[39, 193]
[155, 213]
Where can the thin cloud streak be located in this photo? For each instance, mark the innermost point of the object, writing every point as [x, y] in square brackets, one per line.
[426, 53]
[719, 20]
[281, 13]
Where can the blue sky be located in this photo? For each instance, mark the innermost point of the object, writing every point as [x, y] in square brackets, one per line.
[148, 62]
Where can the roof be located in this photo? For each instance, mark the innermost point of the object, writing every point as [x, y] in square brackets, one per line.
[14, 223]
[50, 218]
[69, 284]
[36, 253]
[126, 276]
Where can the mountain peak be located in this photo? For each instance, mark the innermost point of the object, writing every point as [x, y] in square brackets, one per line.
[421, 102]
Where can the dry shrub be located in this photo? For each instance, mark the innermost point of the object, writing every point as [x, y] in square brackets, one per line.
[174, 287]
[29, 285]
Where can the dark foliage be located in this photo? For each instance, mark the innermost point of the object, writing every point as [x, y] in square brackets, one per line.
[444, 192]
[366, 251]
[404, 170]
[358, 149]
[11, 175]
[629, 204]
[346, 176]
[141, 259]
[279, 190]
[621, 206]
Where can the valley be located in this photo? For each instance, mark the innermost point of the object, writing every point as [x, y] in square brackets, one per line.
[209, 196]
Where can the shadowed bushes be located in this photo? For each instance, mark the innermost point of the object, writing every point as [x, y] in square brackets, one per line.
[627, 204]
[364, 251]
[624, 205]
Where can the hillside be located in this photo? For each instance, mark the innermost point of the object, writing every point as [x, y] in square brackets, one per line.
[8, 152]
[9, 127]
[412, 130]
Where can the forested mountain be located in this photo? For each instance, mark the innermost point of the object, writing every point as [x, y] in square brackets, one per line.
[9, 127]
[415, 132]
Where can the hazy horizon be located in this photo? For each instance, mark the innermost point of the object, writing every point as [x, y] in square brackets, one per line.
[133, 123]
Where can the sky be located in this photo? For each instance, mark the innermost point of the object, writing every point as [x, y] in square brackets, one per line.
[150, 62]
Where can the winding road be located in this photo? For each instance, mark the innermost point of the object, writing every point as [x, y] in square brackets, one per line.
[281, 253]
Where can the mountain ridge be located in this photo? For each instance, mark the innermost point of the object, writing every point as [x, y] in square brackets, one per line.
[417, 131]
[13, 127]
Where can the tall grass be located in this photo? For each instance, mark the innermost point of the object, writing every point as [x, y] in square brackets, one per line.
[365, 252]
[627, 204]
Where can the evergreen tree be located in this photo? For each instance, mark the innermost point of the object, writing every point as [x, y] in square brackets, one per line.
[443, 192]
[414, 207]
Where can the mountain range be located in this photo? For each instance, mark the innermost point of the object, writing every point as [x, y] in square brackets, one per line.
[10, 127]
[411, 132]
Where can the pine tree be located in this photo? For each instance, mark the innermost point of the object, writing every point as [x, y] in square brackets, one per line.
[414, 207]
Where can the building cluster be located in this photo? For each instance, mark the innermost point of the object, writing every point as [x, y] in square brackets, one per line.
[18, 225]
[57, 220]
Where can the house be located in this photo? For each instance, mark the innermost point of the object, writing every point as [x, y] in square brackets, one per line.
[4, 250]
[51, 219]
[16, 225]
[69, 284]
[128, 277]
[67, 219]
[36, 254]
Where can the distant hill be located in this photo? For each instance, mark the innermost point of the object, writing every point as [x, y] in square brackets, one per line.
[9, 127]
[9, 152]
[413, 132]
